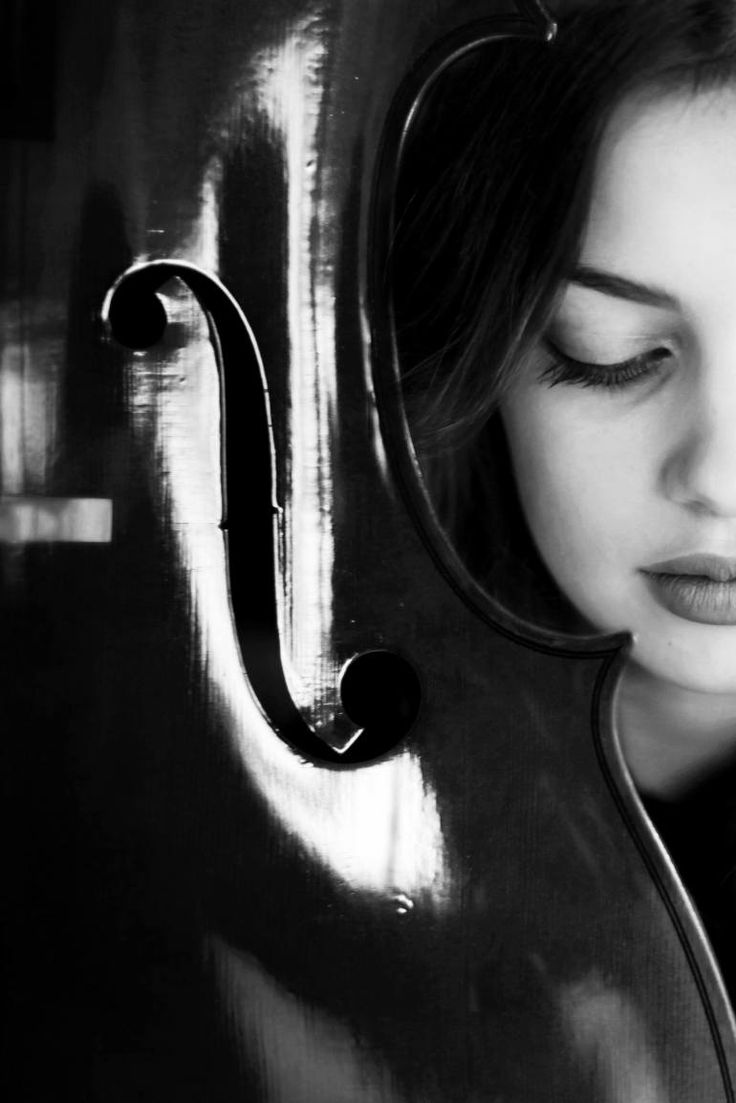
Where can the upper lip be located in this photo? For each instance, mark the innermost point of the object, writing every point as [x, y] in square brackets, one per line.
[715, 568]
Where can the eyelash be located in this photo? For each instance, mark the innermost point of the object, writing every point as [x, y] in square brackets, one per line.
[609, 376]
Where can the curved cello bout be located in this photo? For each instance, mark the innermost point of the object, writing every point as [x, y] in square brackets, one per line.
[592, 1012]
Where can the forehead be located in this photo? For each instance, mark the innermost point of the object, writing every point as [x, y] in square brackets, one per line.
[663, 204]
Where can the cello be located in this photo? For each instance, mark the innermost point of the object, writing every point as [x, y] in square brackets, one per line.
[303, 813]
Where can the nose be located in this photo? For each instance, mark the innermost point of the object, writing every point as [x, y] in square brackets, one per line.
[699, 470]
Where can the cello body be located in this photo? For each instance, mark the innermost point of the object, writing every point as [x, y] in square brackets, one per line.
[297, 813]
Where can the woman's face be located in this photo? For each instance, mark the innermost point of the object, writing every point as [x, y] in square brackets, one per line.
[622, 427]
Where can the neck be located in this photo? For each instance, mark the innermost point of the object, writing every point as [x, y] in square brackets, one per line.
[673, 738]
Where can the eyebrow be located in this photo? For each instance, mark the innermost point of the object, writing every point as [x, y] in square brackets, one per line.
[621, 288]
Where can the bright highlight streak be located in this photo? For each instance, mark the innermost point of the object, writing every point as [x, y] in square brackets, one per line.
[378, 827]
[290, 93]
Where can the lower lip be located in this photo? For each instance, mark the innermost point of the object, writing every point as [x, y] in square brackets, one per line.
[694, 597]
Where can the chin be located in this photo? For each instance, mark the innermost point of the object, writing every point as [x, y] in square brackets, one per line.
[699, 659]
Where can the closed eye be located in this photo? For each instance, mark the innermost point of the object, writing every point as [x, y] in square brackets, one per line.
[624, 373]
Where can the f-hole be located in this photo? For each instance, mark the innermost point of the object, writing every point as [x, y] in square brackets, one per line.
[379, 690]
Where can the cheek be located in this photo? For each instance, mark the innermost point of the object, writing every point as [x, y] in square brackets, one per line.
[583, 496]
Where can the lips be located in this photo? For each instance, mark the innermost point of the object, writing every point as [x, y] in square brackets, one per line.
[700, 587]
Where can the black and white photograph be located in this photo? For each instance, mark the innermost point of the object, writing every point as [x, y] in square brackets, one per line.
[368, 551]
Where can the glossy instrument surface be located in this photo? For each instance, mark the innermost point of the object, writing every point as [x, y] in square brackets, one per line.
[214, 896]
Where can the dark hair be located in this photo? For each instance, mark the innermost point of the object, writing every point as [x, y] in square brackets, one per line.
[493, 200]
